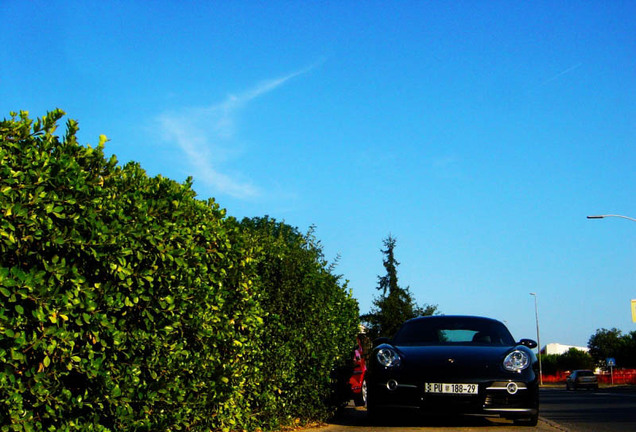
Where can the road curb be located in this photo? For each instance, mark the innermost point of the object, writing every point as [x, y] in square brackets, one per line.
[553, 425]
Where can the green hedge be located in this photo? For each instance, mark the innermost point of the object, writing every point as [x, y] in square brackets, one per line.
[310, 327]
[128, 304]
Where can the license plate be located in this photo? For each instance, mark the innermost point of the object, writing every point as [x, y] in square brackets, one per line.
[454, 388]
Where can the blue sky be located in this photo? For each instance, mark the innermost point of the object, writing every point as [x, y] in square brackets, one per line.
[479, 134]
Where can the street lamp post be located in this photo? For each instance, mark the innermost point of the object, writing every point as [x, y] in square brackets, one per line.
[536, 315]
[624, 217]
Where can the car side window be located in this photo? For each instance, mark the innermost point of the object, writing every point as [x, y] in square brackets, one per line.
[482, 338]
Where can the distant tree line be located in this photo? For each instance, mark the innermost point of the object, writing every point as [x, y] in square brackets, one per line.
[614, 344]
[571, 360]
[603, 345]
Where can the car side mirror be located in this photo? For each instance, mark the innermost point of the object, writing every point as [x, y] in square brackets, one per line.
[528, 343]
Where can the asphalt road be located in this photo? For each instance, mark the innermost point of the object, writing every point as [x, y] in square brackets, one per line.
[561, 411]
[608, 409]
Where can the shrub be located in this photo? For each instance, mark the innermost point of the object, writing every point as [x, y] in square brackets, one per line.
[310, 327]
[128, 304]
[125, 302]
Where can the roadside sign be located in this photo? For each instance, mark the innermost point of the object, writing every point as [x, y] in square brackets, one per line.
[611, 363]
[633, 310]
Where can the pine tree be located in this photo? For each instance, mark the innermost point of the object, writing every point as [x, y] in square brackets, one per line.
[395, 304]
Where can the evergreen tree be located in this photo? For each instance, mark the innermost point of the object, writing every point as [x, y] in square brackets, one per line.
[396, 304]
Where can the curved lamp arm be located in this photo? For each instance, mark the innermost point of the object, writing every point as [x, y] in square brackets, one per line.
[611, 215]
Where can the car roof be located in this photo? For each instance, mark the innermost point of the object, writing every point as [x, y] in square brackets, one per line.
[450, 317]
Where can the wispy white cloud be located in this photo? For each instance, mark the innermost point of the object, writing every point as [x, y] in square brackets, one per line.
[560, 74]
[206, 136]
[202, 155]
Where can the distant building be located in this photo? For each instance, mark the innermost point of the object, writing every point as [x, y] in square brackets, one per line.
[557, 348]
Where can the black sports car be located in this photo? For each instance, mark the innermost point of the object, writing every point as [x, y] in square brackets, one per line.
[456, 365]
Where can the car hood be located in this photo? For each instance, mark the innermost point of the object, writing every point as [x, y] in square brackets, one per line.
[454, 360]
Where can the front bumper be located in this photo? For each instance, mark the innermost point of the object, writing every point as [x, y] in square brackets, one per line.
[494, 398]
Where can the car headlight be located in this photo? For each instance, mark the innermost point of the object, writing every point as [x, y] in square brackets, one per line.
[387, 357]
[516, 361]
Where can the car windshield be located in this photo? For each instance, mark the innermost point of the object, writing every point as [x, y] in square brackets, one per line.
[585, 373]
[453, 330]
